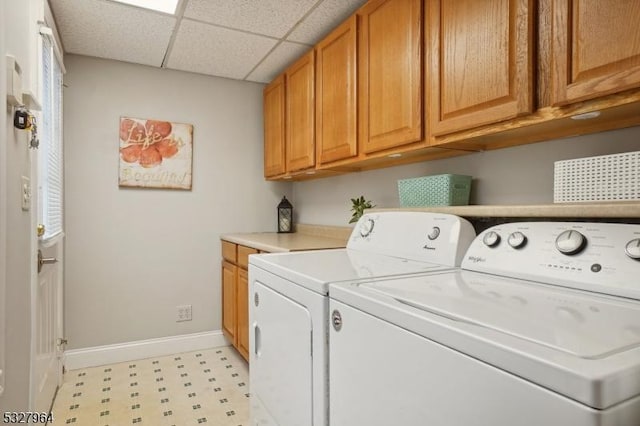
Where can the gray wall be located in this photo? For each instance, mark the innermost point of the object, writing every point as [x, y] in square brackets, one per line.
[519, 175]
[132, 255]
[16, 225]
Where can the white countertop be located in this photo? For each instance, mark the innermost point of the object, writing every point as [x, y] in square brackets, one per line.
[297, 241]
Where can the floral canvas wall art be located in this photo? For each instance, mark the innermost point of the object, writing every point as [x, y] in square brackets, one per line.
[155, 154]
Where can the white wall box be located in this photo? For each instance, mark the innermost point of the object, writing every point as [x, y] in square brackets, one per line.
[614, 177]
[14, 81]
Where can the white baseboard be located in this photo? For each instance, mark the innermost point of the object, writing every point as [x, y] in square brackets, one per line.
[123, 352]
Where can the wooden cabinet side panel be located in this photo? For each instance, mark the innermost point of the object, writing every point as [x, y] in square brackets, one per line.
[480, 62]
[274, 128]
[336, 94]
[596, 48]
[390, 74]
[300, 107]
[243, 313]
[229, 312]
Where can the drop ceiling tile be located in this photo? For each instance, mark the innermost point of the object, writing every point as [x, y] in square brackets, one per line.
[112, 30]
[328, 15]
[207, 49]
[269, 17]
[277, 61]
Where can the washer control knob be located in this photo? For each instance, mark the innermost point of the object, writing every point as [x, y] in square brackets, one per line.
[367, 227]
[491, 239]
[517, 240]
[571, 242]
[435, 233]
[633, 249]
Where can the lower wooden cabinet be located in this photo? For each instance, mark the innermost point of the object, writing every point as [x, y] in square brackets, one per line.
[229, 317]
[235, 295]
[242, 309]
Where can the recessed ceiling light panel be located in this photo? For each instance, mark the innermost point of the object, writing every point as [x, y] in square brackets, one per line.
[165, 6]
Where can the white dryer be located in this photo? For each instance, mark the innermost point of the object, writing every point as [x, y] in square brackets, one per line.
[541, 326]
[288, 305]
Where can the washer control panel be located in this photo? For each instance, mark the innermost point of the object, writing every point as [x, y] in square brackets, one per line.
[602, 257]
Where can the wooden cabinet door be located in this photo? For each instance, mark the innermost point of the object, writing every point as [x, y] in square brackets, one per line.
[336, 94]
[243, 313]
[300, 152]
[596, 48]
[390, 74]
[274, 128]
[480, 62]
[229, 313]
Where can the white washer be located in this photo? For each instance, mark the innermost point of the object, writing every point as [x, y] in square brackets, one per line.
[541, 326]
[288, 305]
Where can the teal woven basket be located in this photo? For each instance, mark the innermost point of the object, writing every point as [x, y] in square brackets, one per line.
[436, 190]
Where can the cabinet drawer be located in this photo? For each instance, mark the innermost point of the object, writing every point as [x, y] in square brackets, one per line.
[243, 255]
[229, 251]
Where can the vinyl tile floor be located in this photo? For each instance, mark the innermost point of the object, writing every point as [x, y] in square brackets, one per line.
[194, 388]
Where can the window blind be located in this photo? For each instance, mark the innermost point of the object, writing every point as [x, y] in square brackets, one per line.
[51, 175]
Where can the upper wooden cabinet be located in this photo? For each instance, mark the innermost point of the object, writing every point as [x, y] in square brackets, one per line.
[300, 105]
[480, 63]
[596, 48]
[390, 74]
[486, 74]
[274, 128]
[336, 95]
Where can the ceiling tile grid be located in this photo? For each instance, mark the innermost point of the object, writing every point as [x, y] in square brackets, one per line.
[279, 59]
[110, 30]
[207, 49]
[268, 17]
[328, 15]
[251, 40]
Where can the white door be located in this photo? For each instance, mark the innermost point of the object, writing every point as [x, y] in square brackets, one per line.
[46, 365]
[47, 360]
[281, 363]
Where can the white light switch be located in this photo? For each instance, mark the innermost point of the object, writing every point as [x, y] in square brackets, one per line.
[25, 193]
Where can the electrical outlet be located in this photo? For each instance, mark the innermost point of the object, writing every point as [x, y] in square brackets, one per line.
[25, 193]
[183, 313]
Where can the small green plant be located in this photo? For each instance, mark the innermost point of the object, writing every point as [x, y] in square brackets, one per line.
[359, 205]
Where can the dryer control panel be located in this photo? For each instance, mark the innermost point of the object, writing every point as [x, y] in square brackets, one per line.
[421, 236]
[601, 257]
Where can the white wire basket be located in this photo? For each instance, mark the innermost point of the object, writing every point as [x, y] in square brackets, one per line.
[613, 177]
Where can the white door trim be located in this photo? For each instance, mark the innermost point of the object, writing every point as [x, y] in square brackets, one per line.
[130, 351]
